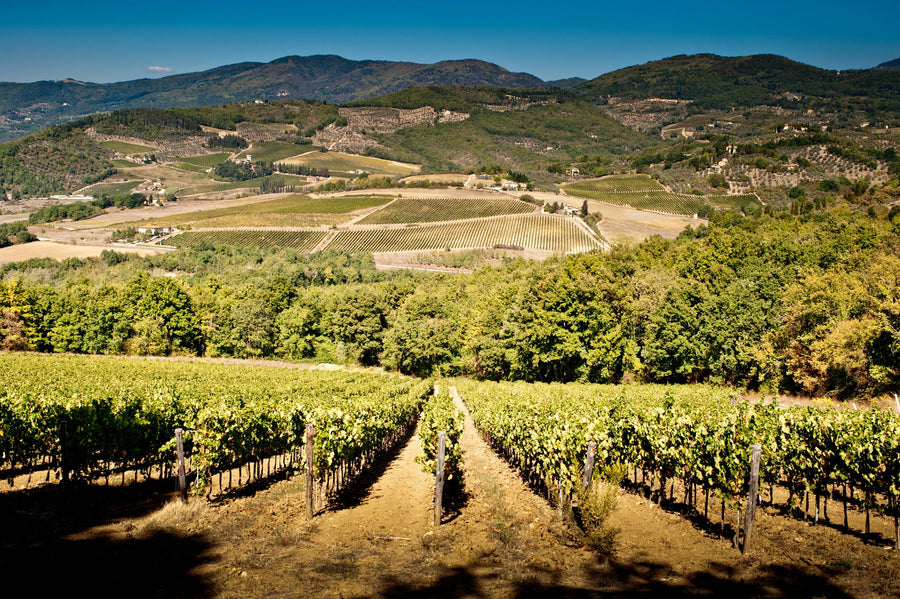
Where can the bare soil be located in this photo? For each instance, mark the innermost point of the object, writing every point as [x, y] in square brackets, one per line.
[61, 251]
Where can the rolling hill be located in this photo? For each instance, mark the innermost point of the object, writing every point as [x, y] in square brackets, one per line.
[28, 107]
[719, 82]
[891, 65]
[520, 129]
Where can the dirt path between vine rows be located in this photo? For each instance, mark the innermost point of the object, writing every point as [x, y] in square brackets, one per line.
[502, 541]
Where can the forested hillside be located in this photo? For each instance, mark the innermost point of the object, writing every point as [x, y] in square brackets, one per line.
[719, 82]
[803, 304]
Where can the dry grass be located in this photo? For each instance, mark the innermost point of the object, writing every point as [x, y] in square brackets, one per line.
[176, 517]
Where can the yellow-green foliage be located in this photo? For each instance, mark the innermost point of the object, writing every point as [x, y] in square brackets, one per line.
[441, 415]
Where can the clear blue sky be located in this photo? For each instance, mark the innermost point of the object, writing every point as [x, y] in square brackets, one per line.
[115, 41]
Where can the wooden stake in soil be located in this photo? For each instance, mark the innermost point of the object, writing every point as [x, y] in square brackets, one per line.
[179, 454]
[750, 513]
[439, 477]
[310, 486]
[64, 449]
[589, 463]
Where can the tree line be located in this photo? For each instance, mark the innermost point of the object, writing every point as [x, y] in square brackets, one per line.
[804, 304]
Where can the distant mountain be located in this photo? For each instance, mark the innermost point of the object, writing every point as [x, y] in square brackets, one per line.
[891, 65]
[567, 83]
[27, 107]
[719, 82]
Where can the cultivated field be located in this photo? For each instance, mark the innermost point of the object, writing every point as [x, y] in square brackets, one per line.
[530, 231]
[61, 251]
[424, 210]
[303, 241]
[339, 163]
[206, 160]
[643, 193]
[127, 148]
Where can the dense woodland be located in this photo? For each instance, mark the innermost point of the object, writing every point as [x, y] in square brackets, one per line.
[805, 304]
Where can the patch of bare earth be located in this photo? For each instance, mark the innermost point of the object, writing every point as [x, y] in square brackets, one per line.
[61, 251]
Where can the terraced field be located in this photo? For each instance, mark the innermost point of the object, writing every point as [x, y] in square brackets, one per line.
[530, 231]
[303, 241]
[418, 210]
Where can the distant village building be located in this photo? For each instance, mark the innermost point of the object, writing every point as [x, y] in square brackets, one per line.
[154, 231]
[573, 172]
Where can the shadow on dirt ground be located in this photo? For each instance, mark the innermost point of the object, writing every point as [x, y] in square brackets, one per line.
[52, 540]
[645, 579]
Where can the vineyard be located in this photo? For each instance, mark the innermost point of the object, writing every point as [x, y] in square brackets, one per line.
[302, 241]
[531, 231]
[617, 184]
[95, 418]
[657, 201]
[644, 193]
[409, 210]
[696, 436]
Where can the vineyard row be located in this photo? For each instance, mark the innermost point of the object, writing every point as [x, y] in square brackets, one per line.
[694, 435]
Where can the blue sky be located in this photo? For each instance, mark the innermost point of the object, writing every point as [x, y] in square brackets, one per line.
[115, 41]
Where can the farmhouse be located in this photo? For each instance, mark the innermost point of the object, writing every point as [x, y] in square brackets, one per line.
[154, 231]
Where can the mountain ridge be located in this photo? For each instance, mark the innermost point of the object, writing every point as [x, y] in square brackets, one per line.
[28, 107]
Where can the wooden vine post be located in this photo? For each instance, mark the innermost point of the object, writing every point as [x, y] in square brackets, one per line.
[439, 477]
[750, 514]
[179, 456]
[64, 449]
[589, 463]
[310, 472]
